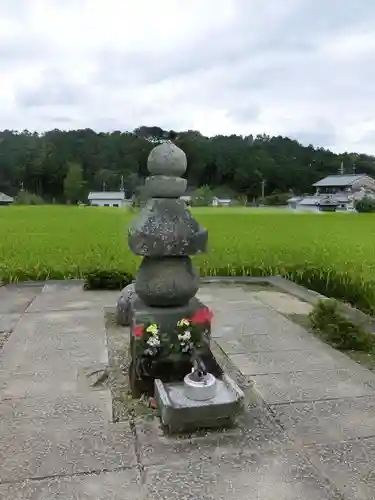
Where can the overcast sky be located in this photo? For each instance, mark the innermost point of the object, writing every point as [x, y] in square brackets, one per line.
[302, 68]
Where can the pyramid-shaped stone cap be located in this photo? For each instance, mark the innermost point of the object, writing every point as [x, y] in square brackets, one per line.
[167, 159]
[165, 228]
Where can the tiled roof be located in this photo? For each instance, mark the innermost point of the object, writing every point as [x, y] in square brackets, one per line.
[338, 180]
[309, 200]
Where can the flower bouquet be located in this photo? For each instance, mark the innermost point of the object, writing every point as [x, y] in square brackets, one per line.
[167, 355]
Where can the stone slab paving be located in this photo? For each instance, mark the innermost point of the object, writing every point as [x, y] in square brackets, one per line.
[8, 322]
[16, 299]
[118, 485]
[59, 297]
[56, 434]
[283, 302]
[309, 436]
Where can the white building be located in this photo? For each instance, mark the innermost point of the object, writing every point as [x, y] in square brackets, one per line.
[221, 202]
[346, 189]
[304, 203]
[186, 198]
[108, 199]
[5, 199]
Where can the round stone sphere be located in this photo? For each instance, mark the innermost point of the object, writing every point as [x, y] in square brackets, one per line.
[167, 281]
[167, 159]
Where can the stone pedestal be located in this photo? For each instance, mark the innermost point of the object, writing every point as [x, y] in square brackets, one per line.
[180, 414]
[142, 375]
[165, 317]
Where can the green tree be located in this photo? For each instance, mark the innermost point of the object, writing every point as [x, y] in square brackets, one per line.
[202, 196]
[74, 183]
[41, 162]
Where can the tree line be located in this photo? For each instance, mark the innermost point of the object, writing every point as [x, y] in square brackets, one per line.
[65, 165]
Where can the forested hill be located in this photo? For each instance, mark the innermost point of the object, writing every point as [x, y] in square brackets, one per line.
[40, 163]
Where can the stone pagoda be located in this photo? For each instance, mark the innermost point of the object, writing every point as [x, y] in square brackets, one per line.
[165, 234]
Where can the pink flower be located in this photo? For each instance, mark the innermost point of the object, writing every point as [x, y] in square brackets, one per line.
[202, 316]
[138, 330]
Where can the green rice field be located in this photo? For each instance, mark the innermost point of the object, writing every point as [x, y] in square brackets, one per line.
[332, 253]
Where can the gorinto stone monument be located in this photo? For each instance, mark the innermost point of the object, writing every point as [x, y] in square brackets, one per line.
[169, 325]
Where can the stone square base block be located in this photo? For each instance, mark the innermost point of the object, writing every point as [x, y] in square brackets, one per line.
[166, 318]
[180, 414]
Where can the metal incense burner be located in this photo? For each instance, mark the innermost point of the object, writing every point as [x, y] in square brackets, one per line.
[199, 385]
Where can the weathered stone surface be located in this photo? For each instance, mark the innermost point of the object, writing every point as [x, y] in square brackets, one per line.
[163, 186]
[26, 384]
[119, 485]
[263, 363]
[349, 465]
[166, 282]
[165, 317]
[66, 297]
[241, 342]
[179, 413]
[167, 159]
[63, 450]
[283, 302]
[166, 228]
[314, 385]
[254, 431]
[73, 410]
[15, 300]
[236, 318]
[8, 322]
[54, 429]
[327, 421]
[266, 476]
[124, 305]
[56, 340]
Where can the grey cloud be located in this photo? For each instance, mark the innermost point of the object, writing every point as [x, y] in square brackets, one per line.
[244, 112]
[217, 47]
[52, 90]
[22, 50]
[241, 67]
[318, 139]
[294, 38]
[319, 132]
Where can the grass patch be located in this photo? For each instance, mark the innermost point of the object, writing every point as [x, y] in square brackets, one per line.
[341, 333]
[333, 254]
[337, 330]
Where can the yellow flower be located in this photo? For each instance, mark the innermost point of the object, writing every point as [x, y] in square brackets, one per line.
[153, 329]
[183, 322]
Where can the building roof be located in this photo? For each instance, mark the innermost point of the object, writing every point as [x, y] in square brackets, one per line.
[339, 180]
[223, 200]
[294, 199]
[107, 195]
[6, 198]
[309, 200]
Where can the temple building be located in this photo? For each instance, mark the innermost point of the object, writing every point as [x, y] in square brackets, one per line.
[341, 190]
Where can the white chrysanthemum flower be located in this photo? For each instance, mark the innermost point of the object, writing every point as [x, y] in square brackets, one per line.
[153, 329]
[153, 342]
[187, 335]
[183, 322]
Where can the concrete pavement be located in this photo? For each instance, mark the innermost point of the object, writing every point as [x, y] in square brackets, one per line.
[307, 432]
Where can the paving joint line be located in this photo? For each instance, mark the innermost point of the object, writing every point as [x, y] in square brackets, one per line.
[93, 472]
